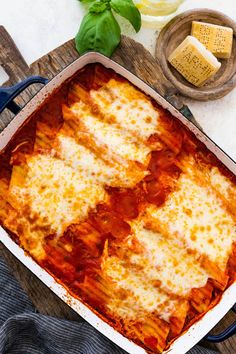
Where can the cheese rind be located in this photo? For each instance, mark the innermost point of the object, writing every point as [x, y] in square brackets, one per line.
[217, 39]
[194, 61]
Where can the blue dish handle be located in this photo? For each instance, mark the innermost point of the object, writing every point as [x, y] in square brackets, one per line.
[8, 94]
[227, 333]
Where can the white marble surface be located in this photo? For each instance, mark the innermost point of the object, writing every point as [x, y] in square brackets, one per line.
[38, 26]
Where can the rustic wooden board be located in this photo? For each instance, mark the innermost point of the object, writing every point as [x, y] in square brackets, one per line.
[138, 60]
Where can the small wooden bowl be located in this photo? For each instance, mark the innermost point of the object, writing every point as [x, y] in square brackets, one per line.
[174, 33]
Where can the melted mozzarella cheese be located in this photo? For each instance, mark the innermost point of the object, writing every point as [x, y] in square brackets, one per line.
[224, 187]
[194, 214]
[90, 165]
[84, 160]
[141, 294]
[56, 193]
[167, 262]
[220, 182]
[129, 108]
[117, 140]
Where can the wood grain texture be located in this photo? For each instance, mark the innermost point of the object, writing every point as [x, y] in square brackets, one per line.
[138, 60]
[174, 33]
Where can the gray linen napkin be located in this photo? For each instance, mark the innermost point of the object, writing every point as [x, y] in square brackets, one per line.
[24, 331]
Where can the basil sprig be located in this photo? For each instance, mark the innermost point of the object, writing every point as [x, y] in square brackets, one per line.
[99, 30]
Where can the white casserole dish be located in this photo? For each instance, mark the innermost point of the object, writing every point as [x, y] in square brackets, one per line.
[198, 330]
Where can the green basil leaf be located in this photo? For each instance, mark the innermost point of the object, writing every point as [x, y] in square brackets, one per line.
[128, 10]
[97, 7]
[98, 32]
[87, 1]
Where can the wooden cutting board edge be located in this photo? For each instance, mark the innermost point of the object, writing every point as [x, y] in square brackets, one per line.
[141, 63]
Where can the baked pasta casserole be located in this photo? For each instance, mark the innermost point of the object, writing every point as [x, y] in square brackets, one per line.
[122, 205]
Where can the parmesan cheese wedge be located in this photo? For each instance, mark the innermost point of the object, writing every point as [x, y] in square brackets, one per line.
[194, 61]
[217, 39]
